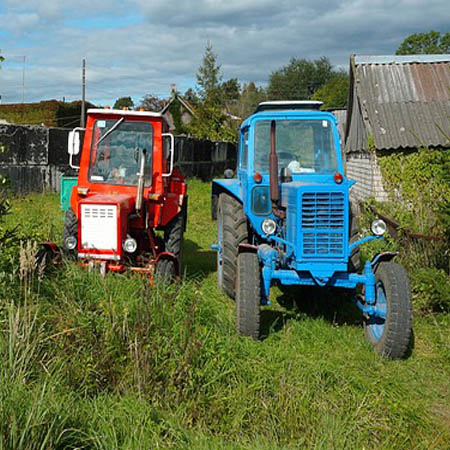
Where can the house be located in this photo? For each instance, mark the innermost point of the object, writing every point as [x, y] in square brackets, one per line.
[178, 112]
[395, 103]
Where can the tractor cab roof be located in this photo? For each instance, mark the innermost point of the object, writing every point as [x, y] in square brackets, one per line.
[282, 108]
[124, 112]
[283, 105]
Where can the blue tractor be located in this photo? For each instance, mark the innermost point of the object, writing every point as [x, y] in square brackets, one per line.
[286, 219]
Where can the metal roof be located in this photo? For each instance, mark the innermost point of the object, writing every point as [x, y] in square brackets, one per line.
[402, 101]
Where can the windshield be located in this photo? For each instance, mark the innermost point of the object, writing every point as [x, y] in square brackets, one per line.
[304, 146]
[117, 150]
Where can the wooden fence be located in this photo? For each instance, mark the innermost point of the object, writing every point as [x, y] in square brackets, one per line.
[33, 158]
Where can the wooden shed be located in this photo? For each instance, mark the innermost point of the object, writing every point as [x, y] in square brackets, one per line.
[395, 103]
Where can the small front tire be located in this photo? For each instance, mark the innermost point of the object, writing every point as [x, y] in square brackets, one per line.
[248, 295]
[390, 331]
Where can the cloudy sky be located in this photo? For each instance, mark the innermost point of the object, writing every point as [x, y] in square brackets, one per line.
[134, 47]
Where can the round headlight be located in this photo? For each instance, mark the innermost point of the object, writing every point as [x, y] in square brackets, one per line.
[269, 226]
[130, 245]
[70, 242]
[378, 227]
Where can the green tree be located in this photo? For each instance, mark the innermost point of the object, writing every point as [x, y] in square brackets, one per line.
[299, 79]
[191, 96]
[425, 43]
[334, 94]
[151, 103]
[124, 102]
[230, 90]
[1, 58]
[211, 120]
[208, 76]
[250, 96]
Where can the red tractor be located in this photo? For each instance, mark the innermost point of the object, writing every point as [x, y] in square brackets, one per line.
[127, 208]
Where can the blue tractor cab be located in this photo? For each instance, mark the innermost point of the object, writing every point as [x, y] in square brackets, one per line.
[286, 218]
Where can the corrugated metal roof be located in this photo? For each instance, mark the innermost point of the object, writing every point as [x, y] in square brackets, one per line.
[404, 101]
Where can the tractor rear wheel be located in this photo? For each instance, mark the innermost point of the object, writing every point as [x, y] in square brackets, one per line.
[70, 229]
[390, 331]
[231, 232]
[248, 295]
[173, 237]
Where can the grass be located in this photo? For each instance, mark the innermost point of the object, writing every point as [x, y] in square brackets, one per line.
[112, 363]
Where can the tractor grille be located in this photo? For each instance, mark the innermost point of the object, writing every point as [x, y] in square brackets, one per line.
[323, 224]
[99, 227]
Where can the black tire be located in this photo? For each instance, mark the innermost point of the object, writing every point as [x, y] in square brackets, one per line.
[394, 336]
[354, 261]
[165, 270]
[234, 233]
[248, 295]
[173, 236]
[70, 229]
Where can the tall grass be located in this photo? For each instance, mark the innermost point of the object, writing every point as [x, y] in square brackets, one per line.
[106, 363]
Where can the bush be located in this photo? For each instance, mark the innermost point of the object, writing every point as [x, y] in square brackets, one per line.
[431, 288]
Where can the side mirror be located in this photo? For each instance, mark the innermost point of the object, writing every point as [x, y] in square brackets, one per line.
[229, 173]
[73, 145]
[172, 153]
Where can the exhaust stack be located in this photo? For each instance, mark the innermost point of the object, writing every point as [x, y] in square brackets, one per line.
[273, 174]
[141, 182]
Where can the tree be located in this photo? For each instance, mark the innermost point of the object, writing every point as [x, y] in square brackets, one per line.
[191, 96]
[208, 76]
[300, 79]
[151, 103]
[124, 102]
[250, 96]
[425, 43]
[211, 121]
[230, 90]
[334, 94]
[1, 58]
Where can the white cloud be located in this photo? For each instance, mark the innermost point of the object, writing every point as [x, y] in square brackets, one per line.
[166, 43]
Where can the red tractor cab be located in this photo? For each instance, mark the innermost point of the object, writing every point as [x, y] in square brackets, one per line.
[128, 207]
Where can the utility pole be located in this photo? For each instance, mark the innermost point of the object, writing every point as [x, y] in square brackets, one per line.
[23, 81]
[83, 95]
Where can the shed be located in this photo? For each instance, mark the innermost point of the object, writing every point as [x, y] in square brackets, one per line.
[395, 103]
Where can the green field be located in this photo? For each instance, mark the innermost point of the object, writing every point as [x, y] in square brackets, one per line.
[112, 363]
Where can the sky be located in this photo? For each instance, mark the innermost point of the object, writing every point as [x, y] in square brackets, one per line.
[138, 47]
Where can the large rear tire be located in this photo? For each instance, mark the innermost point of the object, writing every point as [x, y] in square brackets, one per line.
[248, 295]
[174, 235]
[231, 231]
[390, 332]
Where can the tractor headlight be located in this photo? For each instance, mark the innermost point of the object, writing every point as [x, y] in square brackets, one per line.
[378, 227]
[269, 226]
[70, 242]
[130, 245]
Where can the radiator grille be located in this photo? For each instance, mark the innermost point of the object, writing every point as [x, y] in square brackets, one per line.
[99, 227]
[323, 223]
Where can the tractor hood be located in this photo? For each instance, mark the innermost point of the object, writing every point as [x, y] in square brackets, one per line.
[103, 225]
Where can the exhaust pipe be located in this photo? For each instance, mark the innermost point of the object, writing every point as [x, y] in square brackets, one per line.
[273, 174]
[141, 182]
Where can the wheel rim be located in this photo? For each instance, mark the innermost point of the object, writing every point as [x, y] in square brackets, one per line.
[220, 248]
[377, 321]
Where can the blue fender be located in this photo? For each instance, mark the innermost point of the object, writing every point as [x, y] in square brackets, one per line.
[230, 186]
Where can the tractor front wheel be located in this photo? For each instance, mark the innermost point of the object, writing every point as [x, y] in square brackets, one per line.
[70, 229]
[231, 231]
[248, 295]
[390, 329]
